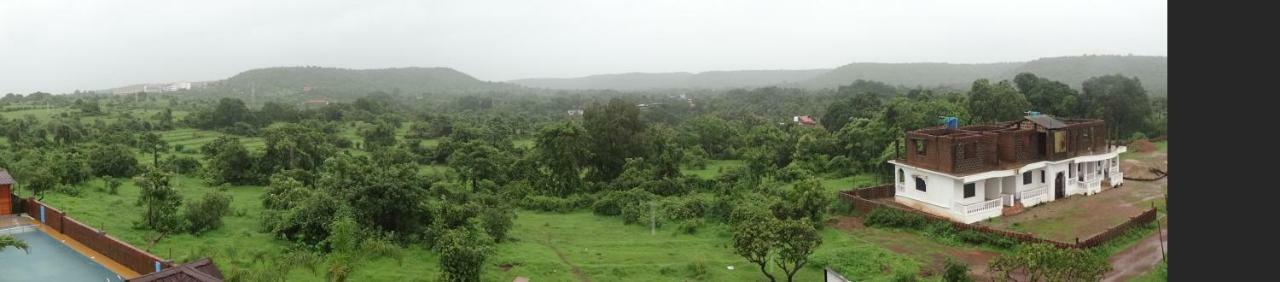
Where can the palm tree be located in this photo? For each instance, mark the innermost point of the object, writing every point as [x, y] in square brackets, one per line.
[10, 241]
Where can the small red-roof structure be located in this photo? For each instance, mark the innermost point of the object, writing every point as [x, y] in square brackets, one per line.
[6, 192]
[805, 120]
[202, 270]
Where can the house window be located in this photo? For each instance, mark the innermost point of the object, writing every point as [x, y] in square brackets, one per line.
[902, 176]
[1041, 176]
[920, 184]
[920, 146]
[1059, 142]
[1026, 178]
[970, 189]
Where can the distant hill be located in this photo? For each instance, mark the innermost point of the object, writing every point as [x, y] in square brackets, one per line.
[707, 80]
[350, 82]
[909, 74]
[1153, 71]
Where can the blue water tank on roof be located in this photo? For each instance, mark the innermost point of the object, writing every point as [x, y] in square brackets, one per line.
[951, 122]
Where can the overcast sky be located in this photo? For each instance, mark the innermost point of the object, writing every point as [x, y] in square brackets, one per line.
[59, 46]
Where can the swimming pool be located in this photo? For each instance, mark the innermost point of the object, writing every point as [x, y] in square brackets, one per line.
[48, 260]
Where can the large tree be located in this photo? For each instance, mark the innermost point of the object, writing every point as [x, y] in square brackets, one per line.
[615, 129]
[859, 100]
[477, 160]
[115, 160]
[996, 102]
[295, 146]
[152, 143]
[1047, 96]
[379, 134]
[160, 201]
[560, 152]
[227, 161]
[1120, 100]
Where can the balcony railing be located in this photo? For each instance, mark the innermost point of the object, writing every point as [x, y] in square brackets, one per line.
[1034, 196]
[993, 204]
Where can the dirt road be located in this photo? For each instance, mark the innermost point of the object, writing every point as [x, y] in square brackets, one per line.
[1138, 259]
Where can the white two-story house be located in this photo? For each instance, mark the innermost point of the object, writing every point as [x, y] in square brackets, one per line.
[971, 173]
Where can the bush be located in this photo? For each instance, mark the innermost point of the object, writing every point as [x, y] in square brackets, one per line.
[690, 226]
[113, 185]
[183, 165]
[554, 204]
[689, 207]
[893, 218]
[612, 203]
[640, 213]
[956, 272]
[697, 270]
[206, 214]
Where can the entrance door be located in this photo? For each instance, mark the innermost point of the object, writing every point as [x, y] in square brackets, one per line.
[1059, 187]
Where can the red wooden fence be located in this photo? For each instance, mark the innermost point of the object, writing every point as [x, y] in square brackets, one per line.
[135, 259]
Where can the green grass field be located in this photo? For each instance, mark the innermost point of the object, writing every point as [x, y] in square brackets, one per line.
[714, 168]
[544, 246]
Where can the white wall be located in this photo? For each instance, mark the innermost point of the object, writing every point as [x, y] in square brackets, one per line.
[940, 190]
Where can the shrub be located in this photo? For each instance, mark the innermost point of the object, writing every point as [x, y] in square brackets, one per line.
[612, 203]
[690, 207]
[554, 204]
[956, 272]
[183, 165]
[640, 214]
[887, 217]
[113, 185]
[206, 214]
[497, 221]
[690, 226]
[697, 270]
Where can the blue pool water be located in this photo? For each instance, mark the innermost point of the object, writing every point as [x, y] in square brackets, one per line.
[48, 260]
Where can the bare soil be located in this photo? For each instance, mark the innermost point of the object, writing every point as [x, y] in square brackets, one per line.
[1140, 258]
[926, 250]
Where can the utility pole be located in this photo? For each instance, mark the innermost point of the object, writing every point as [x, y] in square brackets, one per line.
[653, 219]
[1164, 256]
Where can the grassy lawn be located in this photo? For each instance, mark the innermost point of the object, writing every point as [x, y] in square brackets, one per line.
[849, 182]
[714, 168]
[547, 246]
[41, 114]
[544, 246]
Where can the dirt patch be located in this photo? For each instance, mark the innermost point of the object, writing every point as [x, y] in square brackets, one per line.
[505, 267]
[1140, 258]
[848, 223]
[1142, 146]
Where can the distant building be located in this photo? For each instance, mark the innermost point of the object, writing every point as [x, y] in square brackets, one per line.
[575, 112]
[178, 86]
[803, 120]
[318, 102]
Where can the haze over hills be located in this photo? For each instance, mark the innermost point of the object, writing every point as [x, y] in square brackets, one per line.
[710, 79]
[339, 82]
[1153, 71]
